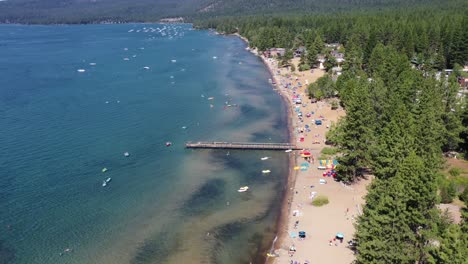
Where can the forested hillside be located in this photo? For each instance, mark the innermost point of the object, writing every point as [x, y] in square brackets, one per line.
[95, 11]
[430, 36]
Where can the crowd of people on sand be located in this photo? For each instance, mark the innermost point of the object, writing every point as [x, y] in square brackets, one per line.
[308, 127]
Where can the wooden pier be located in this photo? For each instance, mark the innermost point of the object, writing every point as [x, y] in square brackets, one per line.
[240, 145]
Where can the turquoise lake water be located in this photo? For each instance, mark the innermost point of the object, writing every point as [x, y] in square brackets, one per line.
[142, 83]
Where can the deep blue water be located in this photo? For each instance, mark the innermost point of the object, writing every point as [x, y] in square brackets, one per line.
[61, 127]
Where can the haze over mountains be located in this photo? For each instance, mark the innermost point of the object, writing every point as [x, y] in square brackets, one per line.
[95, 11]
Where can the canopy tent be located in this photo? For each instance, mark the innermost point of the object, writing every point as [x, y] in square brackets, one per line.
[302, 234]
[328, 163]
[339, 235]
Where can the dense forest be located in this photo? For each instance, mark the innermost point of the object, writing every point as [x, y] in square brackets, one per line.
[402, 115]
[429, 36]
[98, 11]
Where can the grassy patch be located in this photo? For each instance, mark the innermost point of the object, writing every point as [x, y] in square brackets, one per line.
[329, 151]
[321, 200]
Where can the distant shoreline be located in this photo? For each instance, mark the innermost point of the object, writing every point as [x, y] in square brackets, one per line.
[93, 23]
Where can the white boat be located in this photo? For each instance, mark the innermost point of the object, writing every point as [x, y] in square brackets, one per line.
[288, 150]
[126, 59]
[266, 171]
[92, 63]
[214, 57]
[81, 70]
[243, 189]
[264, 158]
[126, 154]
[174, 61]
[146, 68]
[104, 183]
[108, 179]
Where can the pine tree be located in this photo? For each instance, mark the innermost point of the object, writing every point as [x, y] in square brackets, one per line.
[452, 116]
[383, 235]
[357, 133]
[395, 220]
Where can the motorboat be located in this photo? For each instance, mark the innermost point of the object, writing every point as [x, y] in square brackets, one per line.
[104, 169]
[266, 171]
[264, 158]
[81, 70]
[168, 144]
[106, 181]
[126, 154]
[243, 189]
[288, 150]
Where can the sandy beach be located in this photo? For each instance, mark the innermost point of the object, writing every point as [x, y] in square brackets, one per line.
[321, 224]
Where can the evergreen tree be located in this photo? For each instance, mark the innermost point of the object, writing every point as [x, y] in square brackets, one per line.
[356, 135]
[452, 116]
[396, 219]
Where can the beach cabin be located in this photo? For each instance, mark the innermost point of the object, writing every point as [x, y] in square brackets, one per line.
[338, 56]
[332, 45]
[321, 58]
[299, 51]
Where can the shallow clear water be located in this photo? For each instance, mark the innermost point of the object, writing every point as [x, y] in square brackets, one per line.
[61, 127]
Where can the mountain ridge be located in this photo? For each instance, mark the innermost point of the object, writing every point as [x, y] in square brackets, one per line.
[99, 11]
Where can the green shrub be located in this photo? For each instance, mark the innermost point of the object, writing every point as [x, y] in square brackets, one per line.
[293, 68]
[334, 105]
[455, 172]
[464, 196]
[304, 67]
[320, 201]
[448, 191]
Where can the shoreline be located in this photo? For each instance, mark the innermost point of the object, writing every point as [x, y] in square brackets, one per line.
[286, 200]
[297, 213]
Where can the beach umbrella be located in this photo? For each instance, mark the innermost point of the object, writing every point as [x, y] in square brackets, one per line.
[340, 235]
